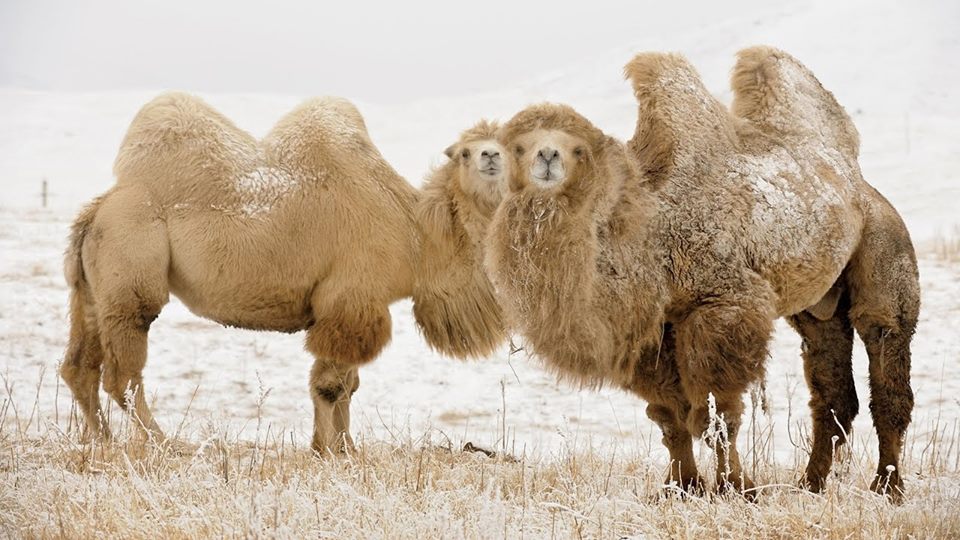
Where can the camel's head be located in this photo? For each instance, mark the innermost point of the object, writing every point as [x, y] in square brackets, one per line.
[481, 161]
[552, 148]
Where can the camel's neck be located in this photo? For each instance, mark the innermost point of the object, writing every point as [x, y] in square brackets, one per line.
[577, 288]
[454, 303]
[473, 215]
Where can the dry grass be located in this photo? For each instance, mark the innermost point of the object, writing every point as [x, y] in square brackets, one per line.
[946, 247]
[53, 486]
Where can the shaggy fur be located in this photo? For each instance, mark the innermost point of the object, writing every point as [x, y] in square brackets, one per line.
[454, 300]
[667, 281]
[285, 234]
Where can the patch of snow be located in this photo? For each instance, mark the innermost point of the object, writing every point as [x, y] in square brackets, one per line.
[892, 65]
[260, 189]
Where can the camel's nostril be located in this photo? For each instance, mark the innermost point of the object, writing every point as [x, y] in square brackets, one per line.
[547, 154]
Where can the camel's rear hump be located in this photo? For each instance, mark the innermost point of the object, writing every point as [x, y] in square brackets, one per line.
[780, 95]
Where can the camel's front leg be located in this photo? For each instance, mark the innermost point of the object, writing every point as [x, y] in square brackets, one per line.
[677, 439]
[721, 349]
[331, 389]
[658, 381]
[349, 330]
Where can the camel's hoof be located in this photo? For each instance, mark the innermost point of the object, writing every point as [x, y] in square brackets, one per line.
[684, 490]
[745, 487]
[814, 484]
[344, 445]
[889, 484]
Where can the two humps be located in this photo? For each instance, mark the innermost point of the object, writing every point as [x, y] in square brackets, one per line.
[658, 265]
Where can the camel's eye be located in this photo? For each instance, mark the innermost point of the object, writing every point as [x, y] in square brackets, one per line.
[465, 154]
[578, 152]
[518, 150]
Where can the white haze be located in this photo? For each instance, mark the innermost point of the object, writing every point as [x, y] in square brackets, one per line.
[371, 51]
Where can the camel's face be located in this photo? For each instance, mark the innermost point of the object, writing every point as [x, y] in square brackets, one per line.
[548, 158]
[483, 168]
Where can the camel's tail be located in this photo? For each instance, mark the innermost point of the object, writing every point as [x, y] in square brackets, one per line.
[779, 94]
[679, 123]
[72, 262]
[73, 270]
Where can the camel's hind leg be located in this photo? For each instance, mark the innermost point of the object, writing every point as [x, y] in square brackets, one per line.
[827, 352]
[885, 298]
[124, 340]
[81, 365]
[126, 260]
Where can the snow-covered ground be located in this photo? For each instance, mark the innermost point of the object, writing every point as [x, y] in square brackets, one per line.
[892, 65]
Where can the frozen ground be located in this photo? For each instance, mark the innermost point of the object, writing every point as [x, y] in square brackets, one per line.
[895, 71]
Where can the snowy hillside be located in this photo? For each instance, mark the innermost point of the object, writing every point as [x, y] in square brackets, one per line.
[893, 65]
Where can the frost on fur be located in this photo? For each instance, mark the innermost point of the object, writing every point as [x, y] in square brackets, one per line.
[662, 270]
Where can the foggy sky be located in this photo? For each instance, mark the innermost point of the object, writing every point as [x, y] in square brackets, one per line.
[374, 51]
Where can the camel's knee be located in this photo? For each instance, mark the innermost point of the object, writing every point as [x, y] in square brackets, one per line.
[125, 356]
[720, 420]
[332, 383]
[891, 395]
[125, 313]
[120, 385]
[827, 357]
[669, 422]
[352, 335]
[891, 409]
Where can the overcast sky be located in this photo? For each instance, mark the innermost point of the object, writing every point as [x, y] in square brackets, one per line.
[374, 51]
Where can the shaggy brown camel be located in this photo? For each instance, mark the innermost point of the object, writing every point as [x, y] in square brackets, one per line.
[284, 234]
[660, 268]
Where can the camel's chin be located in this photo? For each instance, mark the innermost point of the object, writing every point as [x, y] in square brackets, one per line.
[491, 175]
[547, 182]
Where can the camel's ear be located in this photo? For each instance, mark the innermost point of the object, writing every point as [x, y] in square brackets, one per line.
[450, 151]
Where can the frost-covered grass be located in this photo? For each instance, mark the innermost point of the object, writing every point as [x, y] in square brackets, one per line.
[52, 485]
[946, 246]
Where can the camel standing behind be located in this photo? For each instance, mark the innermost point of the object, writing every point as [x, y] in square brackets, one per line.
[285, 234]
[666, 280]
[454, 211]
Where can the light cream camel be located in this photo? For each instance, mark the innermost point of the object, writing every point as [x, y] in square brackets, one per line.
[308, 229]
[660, 267]
[453, 297]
